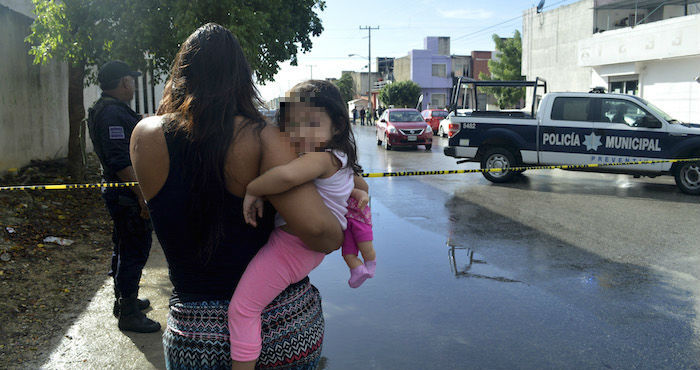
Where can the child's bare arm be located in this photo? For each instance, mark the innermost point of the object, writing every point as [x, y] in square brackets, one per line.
[360, 183]
[299, 171]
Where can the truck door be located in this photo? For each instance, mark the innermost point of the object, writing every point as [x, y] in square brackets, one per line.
[629, 133]
[565, 135]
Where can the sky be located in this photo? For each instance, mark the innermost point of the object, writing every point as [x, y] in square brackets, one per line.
[403, 25]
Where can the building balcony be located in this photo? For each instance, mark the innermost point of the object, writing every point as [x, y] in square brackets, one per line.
[669, 38]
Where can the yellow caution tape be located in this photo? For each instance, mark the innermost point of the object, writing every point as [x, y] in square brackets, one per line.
[374, 174]
[71, 186]
[564, 167]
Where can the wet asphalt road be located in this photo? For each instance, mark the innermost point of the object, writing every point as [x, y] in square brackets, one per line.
[559, 270]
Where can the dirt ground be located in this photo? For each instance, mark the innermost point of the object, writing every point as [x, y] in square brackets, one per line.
[44, 285]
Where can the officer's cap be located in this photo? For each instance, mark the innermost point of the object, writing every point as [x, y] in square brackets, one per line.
[115, 70]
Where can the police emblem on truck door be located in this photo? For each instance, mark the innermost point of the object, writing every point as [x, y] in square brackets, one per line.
[567, 137]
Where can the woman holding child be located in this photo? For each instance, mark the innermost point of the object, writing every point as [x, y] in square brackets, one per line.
[194, 162]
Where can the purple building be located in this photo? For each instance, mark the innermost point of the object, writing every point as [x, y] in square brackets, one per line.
[431, 69]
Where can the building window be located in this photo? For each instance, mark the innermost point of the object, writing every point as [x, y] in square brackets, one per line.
[439, 70]
[437, 100]
[630, 87]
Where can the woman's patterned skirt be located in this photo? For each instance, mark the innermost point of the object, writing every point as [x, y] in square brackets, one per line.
[292, 332]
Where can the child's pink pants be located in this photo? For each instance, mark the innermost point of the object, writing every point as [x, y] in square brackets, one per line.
[282, 261]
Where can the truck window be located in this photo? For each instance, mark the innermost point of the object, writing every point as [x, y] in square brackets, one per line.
[570, 109]
[627, 113]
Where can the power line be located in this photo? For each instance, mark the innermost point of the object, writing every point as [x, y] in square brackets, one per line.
[501, 23]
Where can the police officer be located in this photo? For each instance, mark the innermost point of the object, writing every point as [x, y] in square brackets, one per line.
[110, 122]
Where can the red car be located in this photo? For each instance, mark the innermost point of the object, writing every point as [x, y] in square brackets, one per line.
[433, 117]
[403, 127]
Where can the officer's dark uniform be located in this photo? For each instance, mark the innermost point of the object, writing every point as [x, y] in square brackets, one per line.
[111, 122]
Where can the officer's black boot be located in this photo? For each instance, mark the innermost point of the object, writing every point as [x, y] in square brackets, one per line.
[141, 303]
[132, 319]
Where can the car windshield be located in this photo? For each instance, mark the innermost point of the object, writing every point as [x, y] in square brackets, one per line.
[658, 111]
[439, 113]
[405, 116]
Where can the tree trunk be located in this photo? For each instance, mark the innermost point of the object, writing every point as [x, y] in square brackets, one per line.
[76, 116]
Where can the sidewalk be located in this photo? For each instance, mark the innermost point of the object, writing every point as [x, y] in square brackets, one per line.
[95, 342]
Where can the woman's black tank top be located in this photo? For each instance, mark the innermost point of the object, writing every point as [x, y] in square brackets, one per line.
[192, 278]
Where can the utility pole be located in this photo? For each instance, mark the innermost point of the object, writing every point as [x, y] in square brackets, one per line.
[311, 70]
[369, 70]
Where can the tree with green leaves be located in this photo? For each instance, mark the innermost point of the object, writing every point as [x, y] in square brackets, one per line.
[346, 86]
[506, 66]
[88, 33]
[400, 94]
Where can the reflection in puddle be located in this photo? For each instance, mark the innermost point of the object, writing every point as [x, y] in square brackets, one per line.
[463, 271]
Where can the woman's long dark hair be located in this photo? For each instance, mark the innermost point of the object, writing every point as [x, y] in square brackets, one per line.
[323, 94]
[210, 84]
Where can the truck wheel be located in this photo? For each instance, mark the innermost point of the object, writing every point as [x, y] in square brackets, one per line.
[440, 132]
[498, 158]
[688, 177]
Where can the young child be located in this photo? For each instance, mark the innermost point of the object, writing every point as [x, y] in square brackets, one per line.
[317, 124]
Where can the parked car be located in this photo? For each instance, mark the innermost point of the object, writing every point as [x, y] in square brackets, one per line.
[447, 128]
[403, 127]
[433, 117]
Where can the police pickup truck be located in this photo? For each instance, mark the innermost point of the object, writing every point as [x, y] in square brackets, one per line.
[572, 129]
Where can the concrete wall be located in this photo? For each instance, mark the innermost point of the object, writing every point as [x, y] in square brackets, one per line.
[33, 99]
[402, 69]
[359, 80]
[550, 46]
[671, 86]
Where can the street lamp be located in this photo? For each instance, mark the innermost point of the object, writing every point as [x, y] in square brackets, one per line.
[369, 85]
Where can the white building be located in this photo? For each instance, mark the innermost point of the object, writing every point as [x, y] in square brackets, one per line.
[649, 48]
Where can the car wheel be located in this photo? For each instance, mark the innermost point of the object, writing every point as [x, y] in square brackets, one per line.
[498, 158]
[440, 132]
[688, 177]
[428, 147]
[387, 146]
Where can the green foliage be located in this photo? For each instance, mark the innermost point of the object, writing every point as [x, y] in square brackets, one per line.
[346, 86]
[400, 94]
[506, 67]
[92, 32]
[269, 31]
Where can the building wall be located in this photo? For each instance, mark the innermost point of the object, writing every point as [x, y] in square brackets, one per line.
[663, 56]
[402, 69]
[671, 86]
[550, 46]
[422, 61]
[34, 99]
[461, 65]
[361, 82]
[675, 37]
[480, 63]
